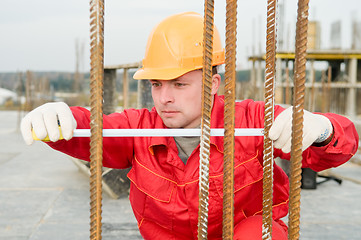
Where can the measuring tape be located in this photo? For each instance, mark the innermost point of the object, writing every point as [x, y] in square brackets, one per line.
[161, 132]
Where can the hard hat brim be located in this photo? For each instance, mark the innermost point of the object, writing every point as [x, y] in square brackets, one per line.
[160, 74]
[189, 64]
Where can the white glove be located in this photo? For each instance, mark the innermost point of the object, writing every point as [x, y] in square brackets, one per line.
[316, 128]
[44, 121]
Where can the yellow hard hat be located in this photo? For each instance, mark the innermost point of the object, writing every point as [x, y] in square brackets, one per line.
[175, 47]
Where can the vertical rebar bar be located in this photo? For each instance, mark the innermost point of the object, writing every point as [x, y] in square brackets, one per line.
[96, 117]
[297, 121]
[268, 120]
[206, 119]
[229, 119]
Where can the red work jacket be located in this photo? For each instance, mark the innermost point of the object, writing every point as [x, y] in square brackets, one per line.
[164, 191]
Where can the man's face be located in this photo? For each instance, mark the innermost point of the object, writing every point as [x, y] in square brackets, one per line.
[179, 101]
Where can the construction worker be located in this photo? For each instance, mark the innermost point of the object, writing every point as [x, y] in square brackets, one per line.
[165, 170]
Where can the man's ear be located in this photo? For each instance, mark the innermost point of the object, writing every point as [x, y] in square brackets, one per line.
[216, 81]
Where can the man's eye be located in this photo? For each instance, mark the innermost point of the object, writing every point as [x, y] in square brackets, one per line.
[180, 84]
[155, 84]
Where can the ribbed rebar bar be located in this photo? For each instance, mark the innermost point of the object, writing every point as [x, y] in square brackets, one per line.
[206, 119]
[229, 119]
[297, 121]
[96, 117]
[268, 120]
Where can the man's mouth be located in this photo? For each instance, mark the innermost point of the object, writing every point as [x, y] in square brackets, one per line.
[169, 113]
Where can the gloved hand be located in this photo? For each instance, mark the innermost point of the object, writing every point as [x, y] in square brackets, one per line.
[316, 129]
[44, 121]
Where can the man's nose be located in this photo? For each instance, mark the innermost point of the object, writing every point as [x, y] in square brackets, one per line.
[166, 94]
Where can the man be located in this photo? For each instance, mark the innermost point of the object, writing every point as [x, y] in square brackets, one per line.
[165, 170]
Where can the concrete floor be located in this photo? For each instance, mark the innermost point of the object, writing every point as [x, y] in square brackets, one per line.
[43, 195]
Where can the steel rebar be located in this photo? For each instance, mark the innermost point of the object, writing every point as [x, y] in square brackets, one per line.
[268, 120]
[297, 121]
[96, 115]
[206, 119]
[229, 120]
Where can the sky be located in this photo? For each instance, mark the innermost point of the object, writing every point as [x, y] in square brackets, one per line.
[41, 35]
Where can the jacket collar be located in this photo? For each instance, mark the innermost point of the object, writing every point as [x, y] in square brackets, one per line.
[217, 120]
[155, 141]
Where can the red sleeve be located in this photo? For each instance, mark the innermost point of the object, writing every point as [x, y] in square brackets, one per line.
[117, 152]
[342, 147]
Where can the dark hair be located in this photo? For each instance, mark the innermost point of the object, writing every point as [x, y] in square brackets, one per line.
[214, 70]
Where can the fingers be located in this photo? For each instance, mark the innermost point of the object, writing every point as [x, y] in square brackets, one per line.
[66, 120]
[285, 136]
[286, 148]
[279, 124]
[38, 125]
[25, 128]
[280, 132]
[315, 128]
[50, 120]
[309, 138]
[44, 122]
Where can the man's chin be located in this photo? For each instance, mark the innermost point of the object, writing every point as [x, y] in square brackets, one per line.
[172, 125]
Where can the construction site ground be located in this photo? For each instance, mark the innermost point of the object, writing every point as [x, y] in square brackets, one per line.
[43, 195]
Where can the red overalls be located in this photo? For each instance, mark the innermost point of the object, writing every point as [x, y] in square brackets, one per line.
[164, 191]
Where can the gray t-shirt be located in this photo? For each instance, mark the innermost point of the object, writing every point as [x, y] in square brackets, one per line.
[186, 146]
